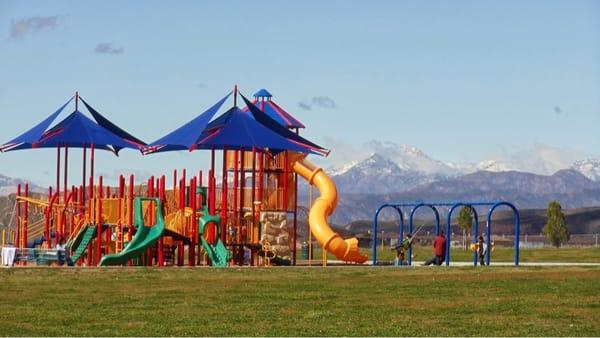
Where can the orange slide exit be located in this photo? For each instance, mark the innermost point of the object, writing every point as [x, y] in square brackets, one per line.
[344, 249]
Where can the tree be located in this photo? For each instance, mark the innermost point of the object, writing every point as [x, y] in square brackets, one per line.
[465, 222]
[556, 229]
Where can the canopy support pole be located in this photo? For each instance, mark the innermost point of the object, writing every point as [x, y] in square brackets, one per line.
[58, 171]
[84, 170]
[66, 188]
[224, 199]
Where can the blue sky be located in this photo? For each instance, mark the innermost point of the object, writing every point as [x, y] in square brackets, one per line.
[461, 80]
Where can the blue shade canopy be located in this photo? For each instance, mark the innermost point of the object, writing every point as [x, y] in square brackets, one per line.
[113, 128]
[34, 134]
[186, 136]
[75, 131]
[78, 131]
[241, 131]
[282, 131]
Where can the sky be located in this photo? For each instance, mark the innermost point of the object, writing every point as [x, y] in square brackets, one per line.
[461, 80]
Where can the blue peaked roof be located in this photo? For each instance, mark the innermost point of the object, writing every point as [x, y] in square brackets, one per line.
[234, 129]
[187, 135]
[241, 131]
[282, 131]
[263, 93]
[262, 99]
[75, 131]
[113, 128]
[34, 134]
[78, 131]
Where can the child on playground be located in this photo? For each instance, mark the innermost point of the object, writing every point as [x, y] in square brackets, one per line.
[401, 249]
[481, 250]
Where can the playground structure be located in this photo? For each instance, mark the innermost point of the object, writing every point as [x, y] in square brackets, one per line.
[202, 219]
[247, 216]
[452, 206]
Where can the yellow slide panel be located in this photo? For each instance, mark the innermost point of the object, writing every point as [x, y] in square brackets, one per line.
[345, 250]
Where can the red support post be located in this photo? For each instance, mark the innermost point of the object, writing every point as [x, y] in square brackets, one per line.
[285, 182]
[58, 170]
[163, 199]
[25, 218]
[235, 195]
[192, 204]
[151, 206]
[119, 244]
[209, 204]
[200, 200]
[253, 192]
[19, 220]
[66, 166]
[99, 222]
[84, 171]
[91, 219]
[224, 199]
[242, 182]
[130, 228]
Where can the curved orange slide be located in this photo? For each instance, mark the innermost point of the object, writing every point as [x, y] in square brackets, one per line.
[344, 249]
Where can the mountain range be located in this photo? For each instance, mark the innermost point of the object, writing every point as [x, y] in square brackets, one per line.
[407, 174]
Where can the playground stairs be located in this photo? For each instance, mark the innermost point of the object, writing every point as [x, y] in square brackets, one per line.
[81, 241]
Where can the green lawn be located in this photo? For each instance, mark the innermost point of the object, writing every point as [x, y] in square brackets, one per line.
[355, 301]
[504, 254]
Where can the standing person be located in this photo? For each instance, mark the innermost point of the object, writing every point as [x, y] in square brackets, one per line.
[439, 250]
[481, 250]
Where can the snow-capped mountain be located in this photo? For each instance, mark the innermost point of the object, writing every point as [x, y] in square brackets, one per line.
[494, 166]
[376, 174]
[410, 158]
[590, 168]
[400, 168]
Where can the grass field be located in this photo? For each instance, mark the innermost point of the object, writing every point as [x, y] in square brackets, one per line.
[355, 301]
[504, 254]
[500, 254]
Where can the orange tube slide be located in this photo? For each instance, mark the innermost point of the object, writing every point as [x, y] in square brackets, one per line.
[344, 249]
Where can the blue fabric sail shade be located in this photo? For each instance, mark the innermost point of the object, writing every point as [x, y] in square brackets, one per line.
[34, 134]
[282, 131]
[186, 136]
[75, 131]
[113, 128]
[239, 130]
[78, 131]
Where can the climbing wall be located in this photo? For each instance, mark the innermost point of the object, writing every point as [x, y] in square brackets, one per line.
[275, 231]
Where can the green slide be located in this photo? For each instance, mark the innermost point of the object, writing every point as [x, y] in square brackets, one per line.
[217, 253]
[144, 237]
[80, 242]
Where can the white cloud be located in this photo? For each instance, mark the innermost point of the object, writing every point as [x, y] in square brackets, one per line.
[25, 26]
[107, 48]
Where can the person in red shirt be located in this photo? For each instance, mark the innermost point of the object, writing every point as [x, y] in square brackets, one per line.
[439, 250]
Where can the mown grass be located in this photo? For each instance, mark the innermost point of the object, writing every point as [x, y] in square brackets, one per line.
[500, 254]
[352, 301]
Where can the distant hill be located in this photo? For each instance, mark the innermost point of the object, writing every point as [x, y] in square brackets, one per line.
[8, 185]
